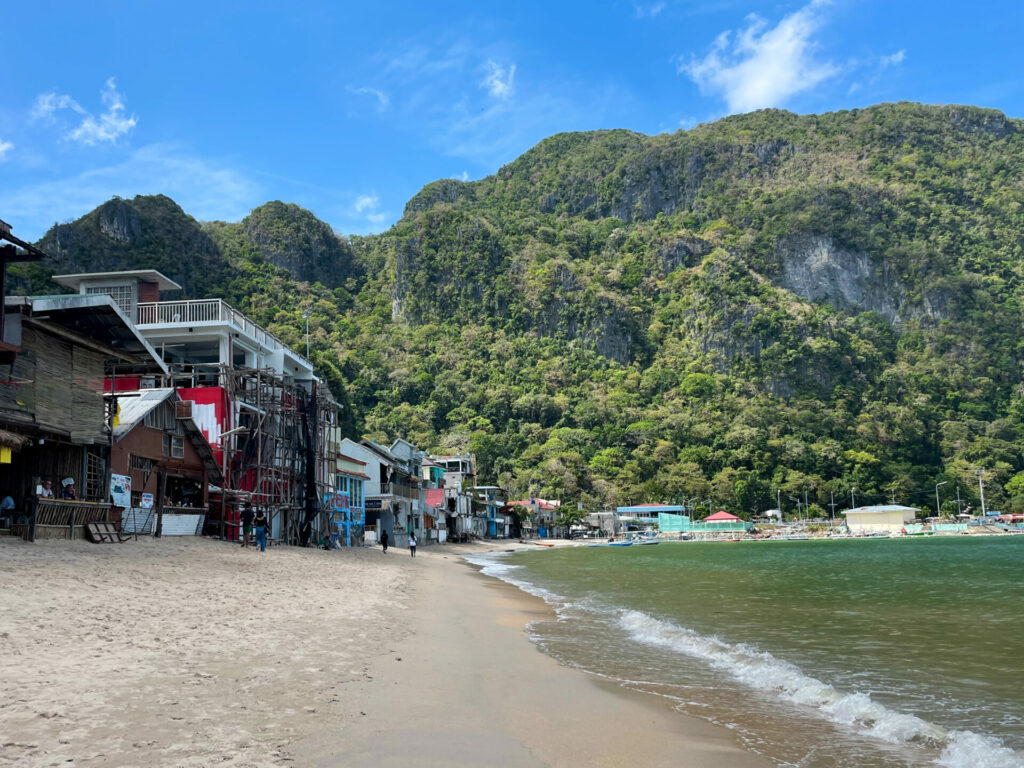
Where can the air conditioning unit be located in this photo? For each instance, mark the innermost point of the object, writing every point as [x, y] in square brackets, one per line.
[183, 409]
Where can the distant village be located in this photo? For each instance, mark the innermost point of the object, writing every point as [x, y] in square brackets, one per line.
[149, 415]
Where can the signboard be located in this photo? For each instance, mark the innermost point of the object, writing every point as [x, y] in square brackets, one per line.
[147, 501]
[121, 490]
[373, 504]
[337, 502]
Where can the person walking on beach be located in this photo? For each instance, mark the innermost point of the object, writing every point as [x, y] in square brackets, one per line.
[412, 544]
[247, 518]
[260, 521]
[384, 541]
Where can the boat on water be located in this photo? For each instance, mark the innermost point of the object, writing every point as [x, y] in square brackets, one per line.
[613, 544]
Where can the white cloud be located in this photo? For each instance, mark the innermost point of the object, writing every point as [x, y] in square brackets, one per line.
[48, 103]
[109, 126]
[5, 147]
[464, 176]
[760, 66]
[364, 202]
[382, 98]
[205, 189]
[648, 10]
[498, 80]
[893, 59]
[366, 207]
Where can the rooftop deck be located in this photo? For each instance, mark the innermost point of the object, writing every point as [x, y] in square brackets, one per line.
[213, 311]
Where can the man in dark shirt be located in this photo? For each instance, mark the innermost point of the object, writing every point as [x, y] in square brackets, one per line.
[247, 517]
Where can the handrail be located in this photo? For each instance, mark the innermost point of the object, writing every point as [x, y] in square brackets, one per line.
[190, 311]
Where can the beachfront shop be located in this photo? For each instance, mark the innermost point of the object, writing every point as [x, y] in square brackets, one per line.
[163, 461]
[54, 462]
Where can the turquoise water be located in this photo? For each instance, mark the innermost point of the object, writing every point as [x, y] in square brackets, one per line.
[899, 652]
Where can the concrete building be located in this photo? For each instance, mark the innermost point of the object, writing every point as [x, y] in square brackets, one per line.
[257, 402]
[883, 517]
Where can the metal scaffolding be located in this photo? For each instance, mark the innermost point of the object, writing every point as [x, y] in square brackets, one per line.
[275, 442]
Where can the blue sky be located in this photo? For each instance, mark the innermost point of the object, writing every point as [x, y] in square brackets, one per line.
[348, 109]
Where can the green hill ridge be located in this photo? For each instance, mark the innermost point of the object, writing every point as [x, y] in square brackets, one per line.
[767, 304]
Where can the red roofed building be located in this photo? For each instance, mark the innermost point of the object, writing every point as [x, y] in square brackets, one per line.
[721, 516]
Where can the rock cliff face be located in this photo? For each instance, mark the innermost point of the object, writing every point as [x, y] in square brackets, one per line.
[120, 222]
[292, 238]
[814, 268]
[150, 232]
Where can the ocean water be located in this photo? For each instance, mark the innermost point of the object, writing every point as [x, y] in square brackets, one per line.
[897, 652]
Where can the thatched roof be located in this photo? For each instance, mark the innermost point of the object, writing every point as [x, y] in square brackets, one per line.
[13, 440]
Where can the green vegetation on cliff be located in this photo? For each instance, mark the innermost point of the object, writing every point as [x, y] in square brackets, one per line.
[766, 303]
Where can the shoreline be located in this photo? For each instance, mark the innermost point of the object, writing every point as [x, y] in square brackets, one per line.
[472, 689]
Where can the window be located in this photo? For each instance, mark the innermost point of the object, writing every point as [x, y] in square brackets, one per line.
[93, 478]
[177, 447]
[356, 491]
[142, 464]
[123, 296]
[165, 447]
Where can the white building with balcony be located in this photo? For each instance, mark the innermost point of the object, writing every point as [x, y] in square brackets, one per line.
[200, 333]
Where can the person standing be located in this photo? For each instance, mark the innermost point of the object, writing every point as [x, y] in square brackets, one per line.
[384, 541]
[247, 518]
[260, 521]
[412, 544]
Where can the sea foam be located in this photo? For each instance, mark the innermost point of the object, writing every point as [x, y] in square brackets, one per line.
[762, 671]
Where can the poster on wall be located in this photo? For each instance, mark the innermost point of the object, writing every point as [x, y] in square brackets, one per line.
[147, 501]
[121, 490]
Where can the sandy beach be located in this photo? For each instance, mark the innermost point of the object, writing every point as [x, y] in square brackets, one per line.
[188, 652]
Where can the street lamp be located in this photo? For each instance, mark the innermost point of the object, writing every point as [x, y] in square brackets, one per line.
[306, 315]
[938, 507]
[981, 488]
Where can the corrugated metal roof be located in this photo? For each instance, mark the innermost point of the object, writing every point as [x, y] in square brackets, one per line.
[133, 409]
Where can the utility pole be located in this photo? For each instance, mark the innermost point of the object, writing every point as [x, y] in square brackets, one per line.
[852, 502]
[832, 504]
[958, 510]
[807, 513]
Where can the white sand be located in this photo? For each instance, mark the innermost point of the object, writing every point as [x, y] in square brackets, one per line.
[187, 652]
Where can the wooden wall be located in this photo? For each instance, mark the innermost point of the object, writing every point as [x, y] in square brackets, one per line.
[56, 386]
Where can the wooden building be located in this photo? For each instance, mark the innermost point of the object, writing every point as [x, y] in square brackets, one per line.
[168, 460]
[52, 405]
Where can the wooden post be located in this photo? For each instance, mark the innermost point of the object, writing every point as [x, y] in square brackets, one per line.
[162, 485]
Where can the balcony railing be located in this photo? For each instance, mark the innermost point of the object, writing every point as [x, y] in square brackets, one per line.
[206, 311]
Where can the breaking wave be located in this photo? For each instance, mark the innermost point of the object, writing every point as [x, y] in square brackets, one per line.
[764, 672]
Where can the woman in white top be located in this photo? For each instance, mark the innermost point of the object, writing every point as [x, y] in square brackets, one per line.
[412, 544]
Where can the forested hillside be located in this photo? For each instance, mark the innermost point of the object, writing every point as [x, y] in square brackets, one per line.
[766, 303]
